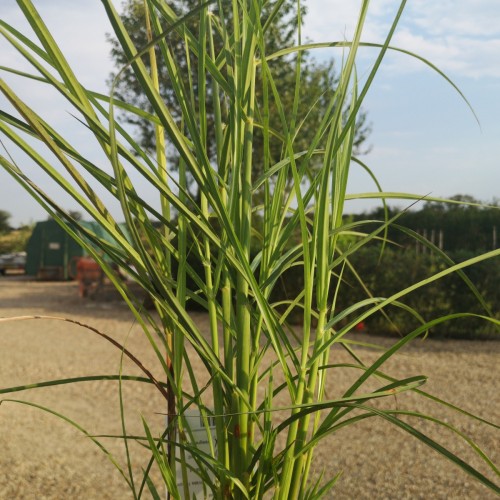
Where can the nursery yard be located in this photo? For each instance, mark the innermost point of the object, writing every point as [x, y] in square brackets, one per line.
[44, 457]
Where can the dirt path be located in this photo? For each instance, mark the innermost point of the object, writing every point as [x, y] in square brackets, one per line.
[43, 457]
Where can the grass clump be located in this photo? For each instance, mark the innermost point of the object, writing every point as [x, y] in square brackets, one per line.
[251, 453]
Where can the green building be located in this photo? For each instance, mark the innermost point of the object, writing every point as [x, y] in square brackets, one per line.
[52, 253]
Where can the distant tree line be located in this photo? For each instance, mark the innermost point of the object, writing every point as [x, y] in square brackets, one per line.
[454, 228]
[4, 222]
[12, 240]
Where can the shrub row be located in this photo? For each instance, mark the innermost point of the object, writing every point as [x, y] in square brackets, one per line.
[384, 273]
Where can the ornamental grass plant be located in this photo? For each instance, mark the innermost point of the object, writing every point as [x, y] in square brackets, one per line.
[294, 208]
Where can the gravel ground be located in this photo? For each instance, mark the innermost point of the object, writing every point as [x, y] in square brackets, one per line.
[43, 457]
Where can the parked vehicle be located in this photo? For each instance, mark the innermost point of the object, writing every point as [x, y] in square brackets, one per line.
[12, 261]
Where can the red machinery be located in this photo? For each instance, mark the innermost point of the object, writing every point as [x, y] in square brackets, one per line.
[89, 275]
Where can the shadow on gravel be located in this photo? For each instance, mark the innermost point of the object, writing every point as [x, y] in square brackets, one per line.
[57, 298]
[23, 295]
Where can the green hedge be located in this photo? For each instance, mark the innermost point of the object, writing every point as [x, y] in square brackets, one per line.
[384, 274]
[399, 268]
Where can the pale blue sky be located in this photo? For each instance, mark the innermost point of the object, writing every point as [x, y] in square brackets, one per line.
[425, 139]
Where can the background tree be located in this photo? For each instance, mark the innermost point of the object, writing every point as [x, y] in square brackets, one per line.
[12, 240]
[15, 240]
[4, 222]
[282, 33]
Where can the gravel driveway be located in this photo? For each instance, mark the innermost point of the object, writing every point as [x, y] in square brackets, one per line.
[43, 457]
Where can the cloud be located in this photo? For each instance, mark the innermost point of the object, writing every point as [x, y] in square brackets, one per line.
[471, 18]
[460, 37]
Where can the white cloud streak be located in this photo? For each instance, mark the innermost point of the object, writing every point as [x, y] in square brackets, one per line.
[461, 37]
